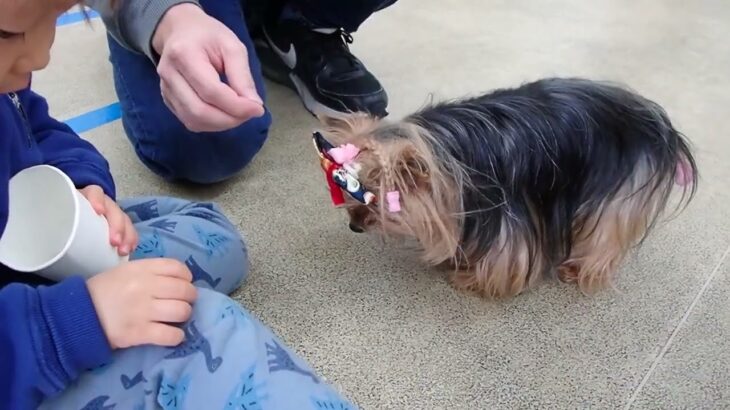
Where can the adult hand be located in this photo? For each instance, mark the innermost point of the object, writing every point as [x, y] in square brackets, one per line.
[122, 234]
[195, 49]
[137, 301]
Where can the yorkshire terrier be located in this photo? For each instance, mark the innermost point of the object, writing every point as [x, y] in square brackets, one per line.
[560, 177]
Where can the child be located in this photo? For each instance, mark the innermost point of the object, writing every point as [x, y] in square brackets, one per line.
[140, 336]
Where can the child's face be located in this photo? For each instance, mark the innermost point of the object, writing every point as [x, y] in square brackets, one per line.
[27, 30]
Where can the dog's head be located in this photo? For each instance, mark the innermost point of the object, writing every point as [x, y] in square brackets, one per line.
[417, 194]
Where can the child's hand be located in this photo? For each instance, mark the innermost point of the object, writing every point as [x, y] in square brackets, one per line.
[137, 301]
[122, 234]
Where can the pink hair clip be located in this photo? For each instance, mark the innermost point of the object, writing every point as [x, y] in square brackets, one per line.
[344, 154]
[393, 200]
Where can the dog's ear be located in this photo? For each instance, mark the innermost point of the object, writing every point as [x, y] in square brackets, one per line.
[332, 123]
[351, 126]
[412, 170]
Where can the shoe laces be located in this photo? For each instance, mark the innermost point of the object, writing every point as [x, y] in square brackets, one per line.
[335, 46]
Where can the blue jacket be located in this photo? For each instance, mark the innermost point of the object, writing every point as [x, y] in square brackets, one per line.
[48, 334]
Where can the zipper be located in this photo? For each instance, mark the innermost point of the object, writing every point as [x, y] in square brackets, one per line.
[26, 122]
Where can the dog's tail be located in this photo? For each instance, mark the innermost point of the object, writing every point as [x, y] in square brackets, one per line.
[665, 163]
[681, 166]
[654, 162]
[686, 171]
[661, 154]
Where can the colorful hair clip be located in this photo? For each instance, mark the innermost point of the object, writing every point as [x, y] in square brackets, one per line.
[340, 168]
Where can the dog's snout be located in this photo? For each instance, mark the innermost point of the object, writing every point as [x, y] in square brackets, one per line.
[358, 218]
[356, 228]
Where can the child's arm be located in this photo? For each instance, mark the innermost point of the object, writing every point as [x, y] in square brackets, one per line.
[48, 336]
[64, 149]
[77, 158]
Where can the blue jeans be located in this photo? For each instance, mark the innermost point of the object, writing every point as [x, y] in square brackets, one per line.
[160, 140]
[228, 360]
[163, 143]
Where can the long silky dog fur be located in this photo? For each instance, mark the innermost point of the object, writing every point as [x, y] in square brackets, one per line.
[558, 177]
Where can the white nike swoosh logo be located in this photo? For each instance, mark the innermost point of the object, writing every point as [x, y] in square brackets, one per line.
[289, 58]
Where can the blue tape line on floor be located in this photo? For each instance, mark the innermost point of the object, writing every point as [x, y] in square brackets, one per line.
[97, 118]
[74, 17]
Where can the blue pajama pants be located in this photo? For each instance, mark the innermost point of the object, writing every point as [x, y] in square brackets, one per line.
[228, 360]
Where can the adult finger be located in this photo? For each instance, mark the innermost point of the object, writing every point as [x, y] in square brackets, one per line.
[202, 76]
[169, 98]
[170, 311]
[196, 114]
[238, 72]
[162, 335]
[164, 91]
[165, 287]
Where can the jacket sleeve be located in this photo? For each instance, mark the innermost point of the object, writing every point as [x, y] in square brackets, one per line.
[133, 22]
[48, 336]
[64, 149]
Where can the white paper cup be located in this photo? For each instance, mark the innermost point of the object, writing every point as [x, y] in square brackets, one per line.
[52, 229]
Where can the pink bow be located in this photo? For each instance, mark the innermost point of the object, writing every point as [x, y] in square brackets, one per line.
[683, 176]
[393, 199]
[344, 154]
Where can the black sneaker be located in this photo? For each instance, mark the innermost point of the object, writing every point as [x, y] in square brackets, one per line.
[318, 65]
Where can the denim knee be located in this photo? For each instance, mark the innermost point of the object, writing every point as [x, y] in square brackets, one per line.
[160, 140]
[175, 153]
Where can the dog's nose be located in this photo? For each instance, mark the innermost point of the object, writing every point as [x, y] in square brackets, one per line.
[356, 228]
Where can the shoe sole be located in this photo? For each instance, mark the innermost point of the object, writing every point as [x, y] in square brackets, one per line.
[311, 104]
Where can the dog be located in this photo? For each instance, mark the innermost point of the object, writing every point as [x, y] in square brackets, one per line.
[556, 178]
